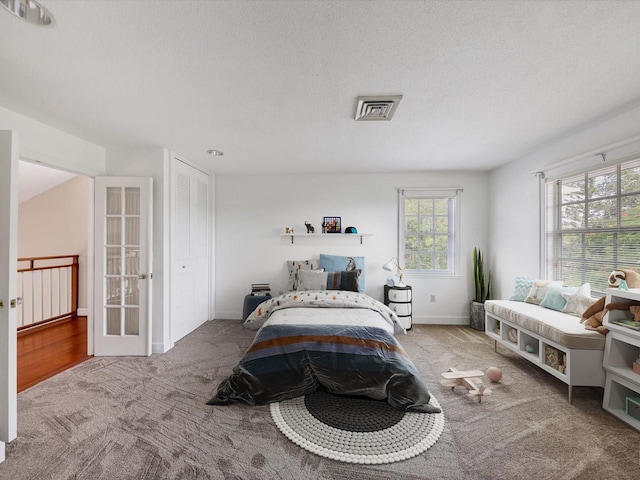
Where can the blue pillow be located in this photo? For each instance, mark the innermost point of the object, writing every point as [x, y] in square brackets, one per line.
[521, 288]
[554, 300]
[337, 263]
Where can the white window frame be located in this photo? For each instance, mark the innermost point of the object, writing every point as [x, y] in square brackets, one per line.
[453, 245]
[552, 232]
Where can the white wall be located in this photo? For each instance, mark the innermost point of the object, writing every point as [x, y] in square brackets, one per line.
[252, 211]
[514, 200]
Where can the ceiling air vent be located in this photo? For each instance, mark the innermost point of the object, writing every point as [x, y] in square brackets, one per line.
[377, 108]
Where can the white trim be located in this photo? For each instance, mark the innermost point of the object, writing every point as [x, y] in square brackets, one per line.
[191, 164]
[439, 320]
[430, 192]
[89, 286]
[455, 209]
[542, 230]
[160, 347]
[612, 154]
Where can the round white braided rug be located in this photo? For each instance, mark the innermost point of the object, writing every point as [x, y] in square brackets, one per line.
[356, 429]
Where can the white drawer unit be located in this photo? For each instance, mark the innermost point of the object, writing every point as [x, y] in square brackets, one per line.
[396, 294]
[401, 309]
[398, 299]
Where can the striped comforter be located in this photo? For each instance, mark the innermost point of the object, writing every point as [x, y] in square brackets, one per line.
[350, 351]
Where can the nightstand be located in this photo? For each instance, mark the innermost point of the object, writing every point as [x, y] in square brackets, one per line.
[398, 299]
[251, 302]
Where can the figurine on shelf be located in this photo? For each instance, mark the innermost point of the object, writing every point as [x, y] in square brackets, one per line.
[310, 228]
[324, 227]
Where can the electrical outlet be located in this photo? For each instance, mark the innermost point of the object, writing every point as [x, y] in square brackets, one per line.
[433, 298]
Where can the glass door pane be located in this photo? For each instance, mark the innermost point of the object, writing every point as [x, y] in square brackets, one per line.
[122, 262]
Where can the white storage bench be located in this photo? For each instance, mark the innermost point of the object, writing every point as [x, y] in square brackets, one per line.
[557, 342]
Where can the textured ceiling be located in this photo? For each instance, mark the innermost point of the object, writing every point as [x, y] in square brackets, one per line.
[274, 84]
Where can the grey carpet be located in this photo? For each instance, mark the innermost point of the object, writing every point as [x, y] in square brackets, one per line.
[146, 418]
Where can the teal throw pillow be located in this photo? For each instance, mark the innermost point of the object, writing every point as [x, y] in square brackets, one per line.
[521, 288]
[554, 300]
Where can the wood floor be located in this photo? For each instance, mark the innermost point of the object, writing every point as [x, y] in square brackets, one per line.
[48, 350]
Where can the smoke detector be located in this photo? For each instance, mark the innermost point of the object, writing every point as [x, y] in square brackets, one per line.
[377, 107]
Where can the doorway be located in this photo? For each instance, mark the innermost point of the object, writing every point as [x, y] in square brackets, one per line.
[53, 219]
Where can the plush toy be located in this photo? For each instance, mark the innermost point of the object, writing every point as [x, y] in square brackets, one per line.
[592, 316]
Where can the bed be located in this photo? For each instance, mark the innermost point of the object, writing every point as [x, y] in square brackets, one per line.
[340, 341]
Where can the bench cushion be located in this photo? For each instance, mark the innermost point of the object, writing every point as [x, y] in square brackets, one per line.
[558, 327]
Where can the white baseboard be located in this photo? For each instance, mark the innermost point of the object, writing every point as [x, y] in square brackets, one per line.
[440, 320]
[158, 347]
[228, 316]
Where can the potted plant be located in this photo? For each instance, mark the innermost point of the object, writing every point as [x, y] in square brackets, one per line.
[482, 290]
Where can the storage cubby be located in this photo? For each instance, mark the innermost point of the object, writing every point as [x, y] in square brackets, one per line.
[620, 354]
[621, 350]
[509, 334]
[555, 358]
[615, 295]
[527, 340]
[493, 328]
[616, 392]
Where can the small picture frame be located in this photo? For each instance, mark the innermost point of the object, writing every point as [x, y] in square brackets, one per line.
[332, 224]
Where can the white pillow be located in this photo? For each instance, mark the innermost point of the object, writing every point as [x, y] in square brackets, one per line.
[578, 302]
[311, 280]
[294, 267]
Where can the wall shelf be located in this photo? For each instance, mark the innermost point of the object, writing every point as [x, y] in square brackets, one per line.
[324, 235]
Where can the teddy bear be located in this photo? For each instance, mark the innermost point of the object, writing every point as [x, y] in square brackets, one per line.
[592, 316]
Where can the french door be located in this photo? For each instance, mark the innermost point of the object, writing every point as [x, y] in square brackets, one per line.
[8, 269]
[123, 260]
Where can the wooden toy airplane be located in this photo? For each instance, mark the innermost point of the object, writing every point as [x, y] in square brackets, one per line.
[468, 379]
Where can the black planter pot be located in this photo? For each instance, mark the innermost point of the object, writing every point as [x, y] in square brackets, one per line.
[477, 315]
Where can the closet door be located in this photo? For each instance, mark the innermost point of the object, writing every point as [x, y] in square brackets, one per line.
[189, 248]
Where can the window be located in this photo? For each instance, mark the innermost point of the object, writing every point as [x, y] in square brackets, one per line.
[593, 224]
[428, 229]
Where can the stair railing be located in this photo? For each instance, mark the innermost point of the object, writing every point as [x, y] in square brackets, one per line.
[47, 289]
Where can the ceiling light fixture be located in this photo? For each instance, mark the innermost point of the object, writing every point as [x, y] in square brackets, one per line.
[29, 11]
[215, 153]
[377, 108]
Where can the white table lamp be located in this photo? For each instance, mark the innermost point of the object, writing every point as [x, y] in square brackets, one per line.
[394, 263]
